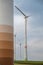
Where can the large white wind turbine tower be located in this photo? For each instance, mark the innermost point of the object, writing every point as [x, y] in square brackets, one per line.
[25, 17]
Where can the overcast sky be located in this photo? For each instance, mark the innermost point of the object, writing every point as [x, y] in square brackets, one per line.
[34, 8]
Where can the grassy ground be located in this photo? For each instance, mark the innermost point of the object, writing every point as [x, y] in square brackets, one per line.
[28, 62]
[19, 64]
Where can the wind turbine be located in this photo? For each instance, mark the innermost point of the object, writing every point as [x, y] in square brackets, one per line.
[25, 17]
[20, 50]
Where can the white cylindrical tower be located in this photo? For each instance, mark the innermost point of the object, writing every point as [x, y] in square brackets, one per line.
[6, 32]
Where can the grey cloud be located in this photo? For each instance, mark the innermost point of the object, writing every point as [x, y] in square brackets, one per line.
[40, 1]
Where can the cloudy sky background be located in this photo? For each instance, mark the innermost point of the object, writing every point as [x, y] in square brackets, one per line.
[34, 8]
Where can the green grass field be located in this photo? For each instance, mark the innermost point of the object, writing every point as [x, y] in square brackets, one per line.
[19, 64]
[28, 62]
